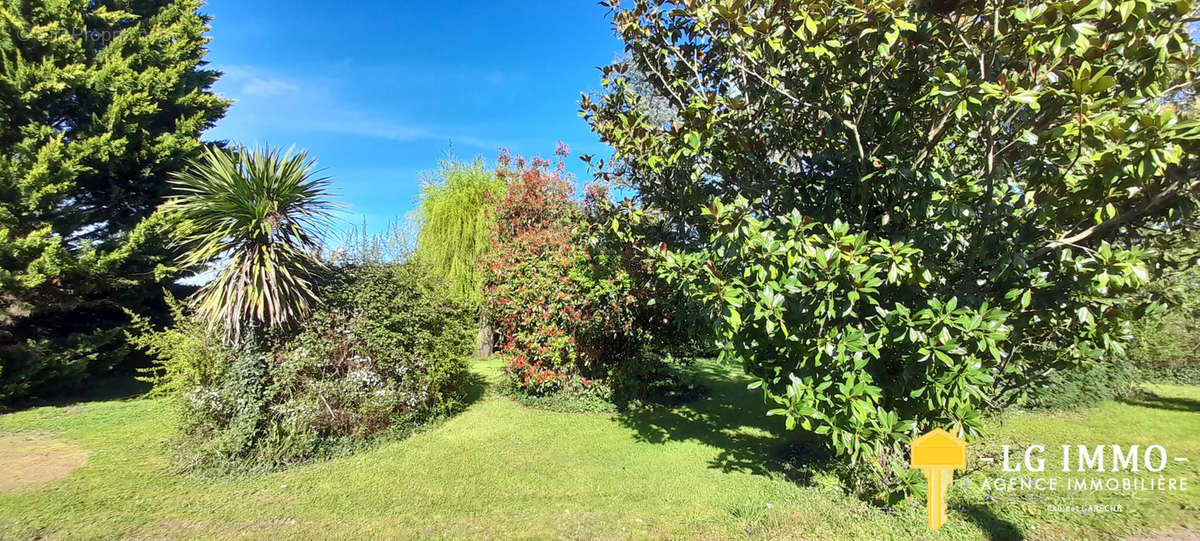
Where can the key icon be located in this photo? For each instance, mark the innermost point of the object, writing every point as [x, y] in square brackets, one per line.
[937, 453]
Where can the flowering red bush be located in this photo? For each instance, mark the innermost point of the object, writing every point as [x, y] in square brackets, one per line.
[555, 317]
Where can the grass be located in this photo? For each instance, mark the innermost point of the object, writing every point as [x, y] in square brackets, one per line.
[715, 468]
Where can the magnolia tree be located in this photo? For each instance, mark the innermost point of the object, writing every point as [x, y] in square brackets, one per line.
[899, 214]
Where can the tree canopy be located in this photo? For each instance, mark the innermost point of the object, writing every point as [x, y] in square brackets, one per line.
[99, 102]
[906, 211]
[455, 219]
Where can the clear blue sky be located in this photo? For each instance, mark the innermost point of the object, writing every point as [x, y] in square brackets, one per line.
[378, 91]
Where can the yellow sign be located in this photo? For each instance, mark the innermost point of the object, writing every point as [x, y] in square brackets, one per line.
[937, 453]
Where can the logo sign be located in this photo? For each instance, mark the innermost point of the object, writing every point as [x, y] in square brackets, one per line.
[937, 454]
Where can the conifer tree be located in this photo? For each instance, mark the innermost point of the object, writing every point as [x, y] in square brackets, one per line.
[99, 102]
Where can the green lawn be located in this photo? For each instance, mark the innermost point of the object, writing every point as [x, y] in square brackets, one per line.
[712, 469]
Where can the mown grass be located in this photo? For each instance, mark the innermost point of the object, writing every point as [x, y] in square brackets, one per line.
[715, 468]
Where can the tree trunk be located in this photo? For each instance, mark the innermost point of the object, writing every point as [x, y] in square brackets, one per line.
[485, 338]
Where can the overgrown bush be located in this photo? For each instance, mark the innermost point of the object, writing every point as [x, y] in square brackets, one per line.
[1166, 346]
[569, 316]
[384, 352]
[189, 354]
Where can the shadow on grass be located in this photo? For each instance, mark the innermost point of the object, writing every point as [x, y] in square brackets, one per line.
[997, 528]
[126, 387]
[1147, 399]
[733, 420]
[101, 389]
[476, 385]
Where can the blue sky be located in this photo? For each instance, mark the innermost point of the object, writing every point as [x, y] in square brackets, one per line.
[378, 91]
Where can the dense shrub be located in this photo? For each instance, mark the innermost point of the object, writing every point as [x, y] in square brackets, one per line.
[1182, 375]
[1087, 385]
[530, 296]
[1166, 346]
[188, 355]
[546, 310]
[569, 316]
[39, 367]
[384, 352]
[665, 320]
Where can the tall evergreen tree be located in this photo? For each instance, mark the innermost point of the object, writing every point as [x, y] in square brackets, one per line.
[100, 101]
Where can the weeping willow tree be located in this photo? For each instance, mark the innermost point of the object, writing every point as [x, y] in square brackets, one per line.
[454, 223]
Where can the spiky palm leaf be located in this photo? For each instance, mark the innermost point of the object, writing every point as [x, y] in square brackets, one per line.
[260, 213]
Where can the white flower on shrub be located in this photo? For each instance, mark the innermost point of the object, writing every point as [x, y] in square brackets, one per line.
[385, 398]
[295, 413]
[414, 399]
[361, 360]
[363, 378]
[298, 358]
[205, 400]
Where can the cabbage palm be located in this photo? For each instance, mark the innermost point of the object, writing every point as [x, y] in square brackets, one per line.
[259, 214]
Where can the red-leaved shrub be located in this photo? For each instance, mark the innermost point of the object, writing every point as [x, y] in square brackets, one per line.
[554, 322]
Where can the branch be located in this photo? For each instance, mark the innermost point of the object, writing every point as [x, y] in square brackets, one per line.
[934, 135]
[662, 79]
[1156, 204]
